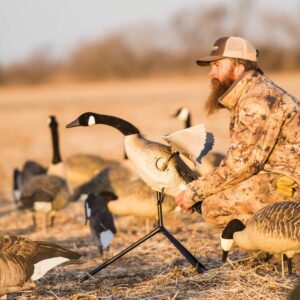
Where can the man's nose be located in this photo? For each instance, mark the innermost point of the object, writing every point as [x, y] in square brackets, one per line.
[212, 72]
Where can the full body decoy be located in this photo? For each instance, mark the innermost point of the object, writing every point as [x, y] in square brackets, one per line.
[273, 229]
[23, 261]
[100, 219]
[49, 192]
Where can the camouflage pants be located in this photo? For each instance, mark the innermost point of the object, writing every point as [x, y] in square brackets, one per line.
[243, 199]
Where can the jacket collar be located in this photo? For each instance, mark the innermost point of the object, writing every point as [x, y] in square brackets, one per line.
[233, 94]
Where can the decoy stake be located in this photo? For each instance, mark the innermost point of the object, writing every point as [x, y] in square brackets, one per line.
[159, 228]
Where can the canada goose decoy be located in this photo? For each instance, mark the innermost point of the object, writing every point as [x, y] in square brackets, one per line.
[273, 229]
[154, 162]
[134, 196]
[20, 178]
[82, 167]
[23, 260]
[100, 218]
[209, 161]
[47, 193]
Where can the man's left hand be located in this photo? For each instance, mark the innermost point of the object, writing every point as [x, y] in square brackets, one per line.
[185, 201]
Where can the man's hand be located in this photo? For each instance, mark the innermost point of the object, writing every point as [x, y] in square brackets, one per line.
[185, 201]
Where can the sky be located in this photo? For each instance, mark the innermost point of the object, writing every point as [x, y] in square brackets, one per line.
[60, 25]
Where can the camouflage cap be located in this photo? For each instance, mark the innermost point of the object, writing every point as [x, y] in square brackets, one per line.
[233, 47]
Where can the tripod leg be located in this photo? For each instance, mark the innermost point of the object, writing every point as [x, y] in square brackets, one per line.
[197, 264]
[120, 254]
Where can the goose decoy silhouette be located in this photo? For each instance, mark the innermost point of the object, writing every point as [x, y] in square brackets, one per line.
[154, 162]
[82, 167]
[23, 261]
[100, 218]
[273, 229]
[135, 197]
[49, 192]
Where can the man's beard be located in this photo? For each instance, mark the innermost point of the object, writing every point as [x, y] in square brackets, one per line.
[218, 89]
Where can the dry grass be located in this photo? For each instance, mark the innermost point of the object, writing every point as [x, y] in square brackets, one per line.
[155, 269]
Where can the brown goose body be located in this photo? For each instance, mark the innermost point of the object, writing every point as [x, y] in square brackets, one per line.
[149, 158]
[134, 196]
[81, 168]
[21, 260]
[273, 229]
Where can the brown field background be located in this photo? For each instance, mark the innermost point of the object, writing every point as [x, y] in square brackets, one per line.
[154, 270]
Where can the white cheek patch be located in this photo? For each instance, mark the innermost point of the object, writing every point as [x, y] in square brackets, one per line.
[88, 210]
[226, 244]
[91, 121]
[42, 267]
[83, 197]
[183, 115]
[105, 238]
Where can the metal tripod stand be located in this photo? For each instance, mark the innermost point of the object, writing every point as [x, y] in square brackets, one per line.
[159, 228]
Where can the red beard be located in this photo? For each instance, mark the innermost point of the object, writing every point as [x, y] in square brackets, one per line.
[218, 89]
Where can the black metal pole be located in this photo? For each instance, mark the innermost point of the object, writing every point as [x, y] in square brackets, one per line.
[187, 254]
[120, 254]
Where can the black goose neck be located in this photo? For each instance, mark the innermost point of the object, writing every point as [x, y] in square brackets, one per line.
[232, 227]
[55, 144]
[123, 126]
[188, 121]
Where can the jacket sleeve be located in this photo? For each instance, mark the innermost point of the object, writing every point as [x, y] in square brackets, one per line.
[253, 134]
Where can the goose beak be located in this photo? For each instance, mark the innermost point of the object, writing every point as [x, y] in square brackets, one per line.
[224, 256]
[73, 124]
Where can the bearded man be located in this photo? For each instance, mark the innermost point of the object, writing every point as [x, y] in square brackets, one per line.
[262, 164]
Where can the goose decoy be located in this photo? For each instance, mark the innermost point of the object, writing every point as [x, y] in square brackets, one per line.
[154, 162]
[23, 261]
[100, 218]
[273, 229]
[20, 178]
[82, 167]
[49, 192]
[209, 161]
[134, 196]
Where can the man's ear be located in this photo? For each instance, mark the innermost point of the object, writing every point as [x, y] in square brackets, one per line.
[239, 70]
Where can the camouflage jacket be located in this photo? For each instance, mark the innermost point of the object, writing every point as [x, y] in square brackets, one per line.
[264, 135]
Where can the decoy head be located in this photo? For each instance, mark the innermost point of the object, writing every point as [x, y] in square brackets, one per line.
[52, 121]
[88, 205]
[182, 113]
[108, 196]
[86, 119]
[92, 198]
[227, 236]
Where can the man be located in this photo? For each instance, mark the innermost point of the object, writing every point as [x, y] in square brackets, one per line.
[262, 164]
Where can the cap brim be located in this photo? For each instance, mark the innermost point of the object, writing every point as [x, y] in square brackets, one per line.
[205, 61]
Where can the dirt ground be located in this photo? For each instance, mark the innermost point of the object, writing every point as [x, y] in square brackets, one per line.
[155, 269]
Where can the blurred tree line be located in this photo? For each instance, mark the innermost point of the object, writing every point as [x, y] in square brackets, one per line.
[149, 50]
